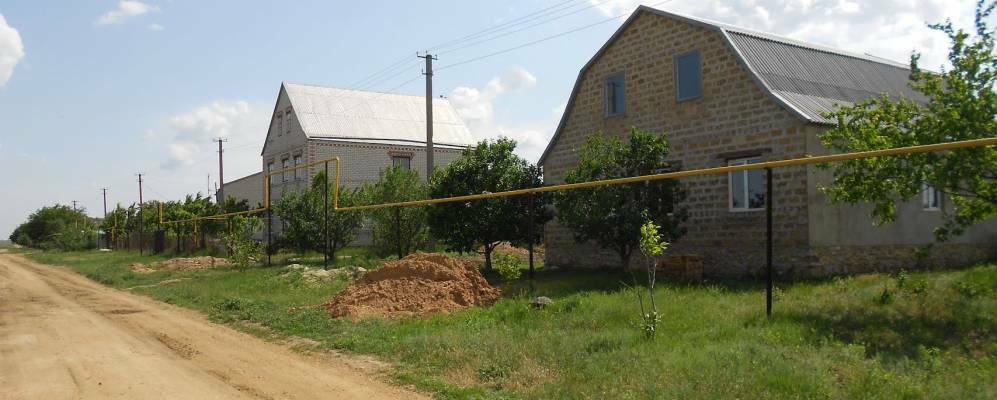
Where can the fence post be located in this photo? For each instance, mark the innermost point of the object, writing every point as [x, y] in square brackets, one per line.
[326, 206]
[768, 241]
[398, 230]
[531, 228]
[266, 182]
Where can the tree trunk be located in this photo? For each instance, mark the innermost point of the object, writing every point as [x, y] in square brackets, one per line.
[488, 258]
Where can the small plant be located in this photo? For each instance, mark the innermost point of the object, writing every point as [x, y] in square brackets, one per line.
[902, 278]
[652, 247]
[886, 296]
[243, 250]
[970, 290]
[508, 266]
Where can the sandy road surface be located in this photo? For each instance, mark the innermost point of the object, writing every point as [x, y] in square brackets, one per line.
[63, 336]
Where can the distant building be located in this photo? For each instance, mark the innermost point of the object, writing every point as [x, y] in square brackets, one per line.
[368, 131]
[726, 95]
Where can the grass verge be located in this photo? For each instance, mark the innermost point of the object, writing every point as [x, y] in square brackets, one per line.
[918, 335]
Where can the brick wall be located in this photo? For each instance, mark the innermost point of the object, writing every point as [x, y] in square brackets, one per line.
[732, 115]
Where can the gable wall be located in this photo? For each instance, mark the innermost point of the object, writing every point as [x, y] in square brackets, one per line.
[733, 114]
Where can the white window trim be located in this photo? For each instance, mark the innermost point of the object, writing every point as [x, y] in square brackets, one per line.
[730, 186]
[926, 191]
[284, 165]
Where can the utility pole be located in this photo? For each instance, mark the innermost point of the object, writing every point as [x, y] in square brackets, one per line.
[429, 113]
[105, 201]
[141, 213]
[221, 176]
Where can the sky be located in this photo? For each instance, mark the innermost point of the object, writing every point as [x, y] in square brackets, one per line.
[94, 92]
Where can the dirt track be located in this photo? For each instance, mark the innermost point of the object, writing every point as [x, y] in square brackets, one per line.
[63, 336]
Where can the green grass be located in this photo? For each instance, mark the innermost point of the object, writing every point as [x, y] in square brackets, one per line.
[934, 337]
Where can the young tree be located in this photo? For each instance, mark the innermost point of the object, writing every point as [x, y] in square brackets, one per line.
[394, 185]
[961, 105]
[304, 215]
[58, 227]
[488, 167]
[612, 215]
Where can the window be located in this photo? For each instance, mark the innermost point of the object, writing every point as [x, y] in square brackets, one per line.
[300, 172]
[280, 124]
[401, 161]
[688, 79]
[284, 165]
[287, 124]
[747, 190]
[270, 168]
[931, 199]
[616, 98]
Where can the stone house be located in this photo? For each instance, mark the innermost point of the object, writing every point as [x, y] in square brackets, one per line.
[368, 131]
[726, 95]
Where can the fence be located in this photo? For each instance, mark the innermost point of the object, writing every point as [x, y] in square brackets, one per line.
[767, 166]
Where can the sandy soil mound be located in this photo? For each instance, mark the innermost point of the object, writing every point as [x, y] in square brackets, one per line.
[420, 284]
[181, 264]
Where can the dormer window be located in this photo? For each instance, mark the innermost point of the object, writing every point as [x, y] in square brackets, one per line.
[616, 99]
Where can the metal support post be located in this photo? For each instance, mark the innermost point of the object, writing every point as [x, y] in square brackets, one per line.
[398, 230]
[531, 230]
[326, 206]
[768, 241]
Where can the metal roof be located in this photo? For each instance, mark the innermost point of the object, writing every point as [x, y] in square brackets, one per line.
[805, 78]
[327, 112]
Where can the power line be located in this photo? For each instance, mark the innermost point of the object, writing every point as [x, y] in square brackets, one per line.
[531, 43]
[502, 26]
[363, 82]
[547, 21]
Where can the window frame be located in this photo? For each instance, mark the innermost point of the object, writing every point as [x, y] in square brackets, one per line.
[271, 164]
[280, 123]
[287, 121]
[401, 156]
[730, 186]
[607, 104]
[284, 162]
[928, 190]
[699, 69]
[296, 161]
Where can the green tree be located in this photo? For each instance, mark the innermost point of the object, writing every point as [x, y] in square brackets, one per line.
[242, 249]
[58, 227]
[961, 105]
[480, 225]
[397, 184]
[612, 215]
[304, 215]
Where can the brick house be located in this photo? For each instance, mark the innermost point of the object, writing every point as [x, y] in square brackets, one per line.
[368, 131]
[725, 96]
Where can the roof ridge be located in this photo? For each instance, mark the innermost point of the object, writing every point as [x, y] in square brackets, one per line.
[353, 90]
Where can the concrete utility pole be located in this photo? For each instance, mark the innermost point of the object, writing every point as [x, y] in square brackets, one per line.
[74, 205]
[141, 212]
[221, 176]
[105, 201]
[429, 113]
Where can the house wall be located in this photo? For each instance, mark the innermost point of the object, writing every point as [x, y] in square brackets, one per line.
[732, 115]
[249, 188]
[844, 239]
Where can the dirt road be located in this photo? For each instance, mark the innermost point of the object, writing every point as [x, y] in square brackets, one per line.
[63, 336]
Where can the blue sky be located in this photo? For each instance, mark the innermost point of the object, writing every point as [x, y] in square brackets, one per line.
[92, 92]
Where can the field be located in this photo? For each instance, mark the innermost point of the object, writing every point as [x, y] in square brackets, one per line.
[918, 335]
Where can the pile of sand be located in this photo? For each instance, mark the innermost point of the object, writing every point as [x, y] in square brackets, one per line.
[181, 264]
[319, 276]
[420, 284]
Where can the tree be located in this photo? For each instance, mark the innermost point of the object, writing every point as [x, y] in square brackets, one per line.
[612, 215]
[304, 215]
[487, 167]
[397, 184]
[961, 105]
[58, 227]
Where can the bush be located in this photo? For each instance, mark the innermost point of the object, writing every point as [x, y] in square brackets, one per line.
[243, 250]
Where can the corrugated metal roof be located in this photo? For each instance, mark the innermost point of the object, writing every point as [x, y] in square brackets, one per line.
[392, 142]
[813, 79]
[341, 113]
[805, 78]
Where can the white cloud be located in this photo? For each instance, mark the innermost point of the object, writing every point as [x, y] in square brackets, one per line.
[155, 27]
[126, 9]
[886, 28]
[11, 50]
[476, 107]
[194, 130]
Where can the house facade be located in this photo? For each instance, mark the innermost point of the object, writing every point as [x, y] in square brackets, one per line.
[725, 95]
[368, 131]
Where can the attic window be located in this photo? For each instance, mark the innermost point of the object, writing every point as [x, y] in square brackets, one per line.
[616, 99]
[287, 124]
[280, 124]
[688, 76]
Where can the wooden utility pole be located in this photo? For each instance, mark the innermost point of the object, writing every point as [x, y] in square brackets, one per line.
[221, 177]
[107, 240]
[429, 113]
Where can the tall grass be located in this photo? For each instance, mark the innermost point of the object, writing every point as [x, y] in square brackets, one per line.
[934, 336]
